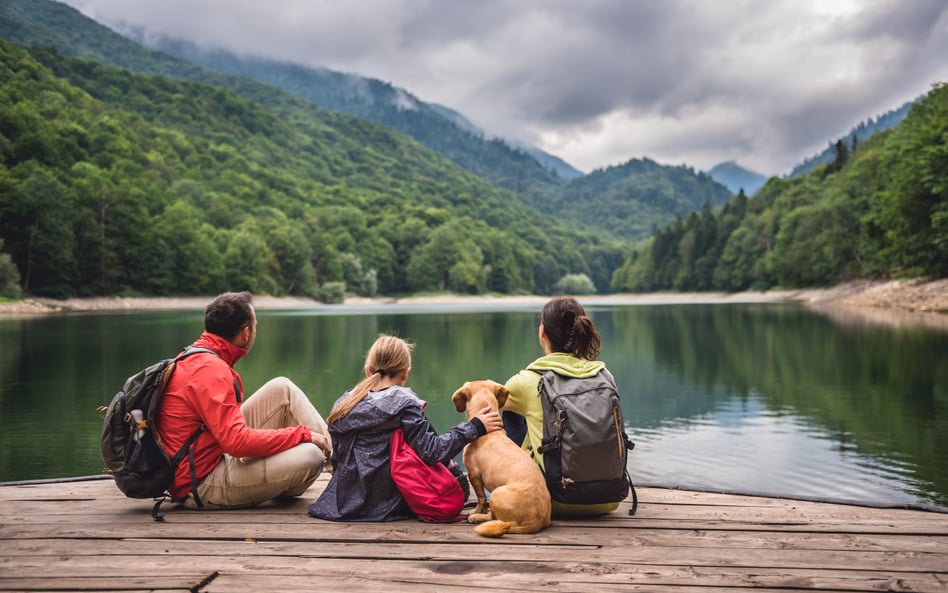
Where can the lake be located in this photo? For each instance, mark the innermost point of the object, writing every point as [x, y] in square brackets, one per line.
[769, 398]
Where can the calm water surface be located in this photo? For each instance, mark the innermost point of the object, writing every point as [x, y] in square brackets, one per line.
[760, 398]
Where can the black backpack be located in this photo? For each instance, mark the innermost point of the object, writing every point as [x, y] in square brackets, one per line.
[584, 447]
[130, 447]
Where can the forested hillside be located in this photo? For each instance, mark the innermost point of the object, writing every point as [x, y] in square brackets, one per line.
[880, 211]
[860, 133]
[118, 183]
[494, 160]
[634, 200]
[47, 23]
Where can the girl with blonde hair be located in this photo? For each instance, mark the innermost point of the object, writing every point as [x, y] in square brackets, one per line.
[361, 424]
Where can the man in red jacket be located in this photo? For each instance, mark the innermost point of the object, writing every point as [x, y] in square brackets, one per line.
[272, 445]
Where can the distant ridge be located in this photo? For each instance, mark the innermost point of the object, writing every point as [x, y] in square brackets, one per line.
[735, 178]
[440, 128]
[861, 133]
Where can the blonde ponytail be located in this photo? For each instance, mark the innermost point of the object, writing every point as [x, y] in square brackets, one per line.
[389, 356]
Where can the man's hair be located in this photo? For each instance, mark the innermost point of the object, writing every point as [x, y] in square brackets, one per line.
[228, 314]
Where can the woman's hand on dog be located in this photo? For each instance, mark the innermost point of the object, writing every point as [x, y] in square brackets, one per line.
[490, 419]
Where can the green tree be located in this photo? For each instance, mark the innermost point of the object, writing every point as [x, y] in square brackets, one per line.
[198, 264]
[332, 293]
[913, 210]
[248, 261]
[38, 226]
[842, 157]
[448, 261]
[294, 273]
[9, 276]
[575, 284]
[358, 280]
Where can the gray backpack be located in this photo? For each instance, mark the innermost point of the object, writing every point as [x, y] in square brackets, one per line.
[584, 447]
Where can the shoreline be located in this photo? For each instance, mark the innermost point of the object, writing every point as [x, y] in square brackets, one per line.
[917, 297]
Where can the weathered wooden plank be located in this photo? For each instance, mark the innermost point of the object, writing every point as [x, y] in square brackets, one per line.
[98, 582]
[567, 538]
[653, 580]
[101, 497]
[168, 553]
[290, 584]
[651, 495]
[647, 513]
[558, 575]
[306, 528]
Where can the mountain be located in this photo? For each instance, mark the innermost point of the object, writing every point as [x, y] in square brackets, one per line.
[878, 211]
[113, 182]
[444, 130]
[554, 164]
[735, 178]
[48, 23]
[598, 217]
[860, 133]
[635, 199]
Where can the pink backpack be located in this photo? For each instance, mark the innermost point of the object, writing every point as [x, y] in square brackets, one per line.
[431, 491]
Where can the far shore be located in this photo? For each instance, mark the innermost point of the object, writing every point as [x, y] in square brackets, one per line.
[902, 301]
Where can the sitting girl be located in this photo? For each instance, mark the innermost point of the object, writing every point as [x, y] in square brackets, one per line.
[361, 425]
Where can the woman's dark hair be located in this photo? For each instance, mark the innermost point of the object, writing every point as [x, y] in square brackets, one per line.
[569, 329]
[228, 314]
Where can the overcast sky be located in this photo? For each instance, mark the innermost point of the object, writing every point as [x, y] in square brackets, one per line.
[598, 82]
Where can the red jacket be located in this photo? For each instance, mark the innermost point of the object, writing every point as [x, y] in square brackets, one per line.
[201, 391]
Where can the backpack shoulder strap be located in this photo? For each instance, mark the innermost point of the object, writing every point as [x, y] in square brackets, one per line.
[189, 350]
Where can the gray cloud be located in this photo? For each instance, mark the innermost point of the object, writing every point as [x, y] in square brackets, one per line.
[598, 82]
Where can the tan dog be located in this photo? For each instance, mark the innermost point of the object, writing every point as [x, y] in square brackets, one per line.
[519, 500]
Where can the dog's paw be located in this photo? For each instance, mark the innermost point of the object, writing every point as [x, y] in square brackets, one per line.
[478, 517]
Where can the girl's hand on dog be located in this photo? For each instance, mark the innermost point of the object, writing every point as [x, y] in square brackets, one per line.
[490, 419]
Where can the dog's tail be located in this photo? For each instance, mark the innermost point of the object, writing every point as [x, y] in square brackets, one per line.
[494, 528]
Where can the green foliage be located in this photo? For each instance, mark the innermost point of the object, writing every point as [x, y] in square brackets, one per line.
[357, 279]
[247, 261]
[913, 207]
[113, 182]
[118, 183]
[626, 202]
[9, 276]
[331, 293]
[635, 199]
[878, 211]
[574, 284]
[449, 260]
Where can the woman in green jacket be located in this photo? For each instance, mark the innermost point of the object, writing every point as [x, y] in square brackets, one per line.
[570, 345]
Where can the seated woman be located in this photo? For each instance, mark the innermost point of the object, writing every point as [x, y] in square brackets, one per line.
[570, 345]
[361, 425]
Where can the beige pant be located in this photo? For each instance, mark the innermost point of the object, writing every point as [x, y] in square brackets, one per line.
[243, 482]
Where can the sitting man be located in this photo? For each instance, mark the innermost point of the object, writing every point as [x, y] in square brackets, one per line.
[272, 445]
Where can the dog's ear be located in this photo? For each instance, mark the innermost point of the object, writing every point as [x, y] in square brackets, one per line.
[501, 393]
[460, 397]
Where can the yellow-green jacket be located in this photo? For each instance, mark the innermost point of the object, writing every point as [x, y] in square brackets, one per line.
[524, 400]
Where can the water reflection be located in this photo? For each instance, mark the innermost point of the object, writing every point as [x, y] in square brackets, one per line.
[742, 446]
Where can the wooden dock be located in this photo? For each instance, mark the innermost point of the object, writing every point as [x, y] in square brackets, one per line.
[86, 536]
